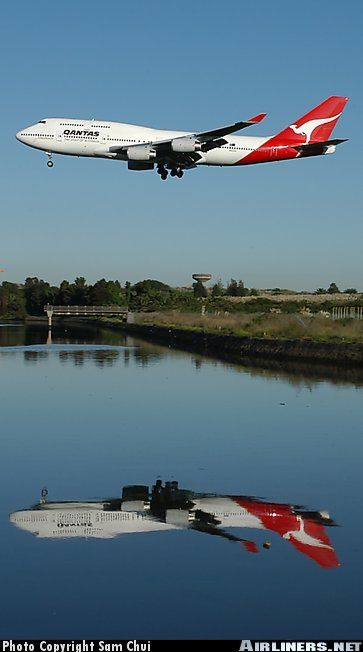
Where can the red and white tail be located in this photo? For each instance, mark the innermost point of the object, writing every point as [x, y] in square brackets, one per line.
[316, 125]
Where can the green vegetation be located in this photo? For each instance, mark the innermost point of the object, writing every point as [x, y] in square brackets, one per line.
[333, 289]
[233, 309]
[277, 326]
[12, 300]
[18, 301]
[235, 289]
[199, 290]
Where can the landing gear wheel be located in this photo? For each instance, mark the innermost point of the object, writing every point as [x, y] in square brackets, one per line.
[162, 171]
[173, 173]
[179, 173]
[50, 164]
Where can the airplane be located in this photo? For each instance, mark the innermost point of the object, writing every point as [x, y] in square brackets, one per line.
[167, 507]
[144, 148]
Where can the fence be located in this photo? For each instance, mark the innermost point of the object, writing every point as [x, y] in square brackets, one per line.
[346, 312]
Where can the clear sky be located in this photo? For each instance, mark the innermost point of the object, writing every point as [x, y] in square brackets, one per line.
[181, 65]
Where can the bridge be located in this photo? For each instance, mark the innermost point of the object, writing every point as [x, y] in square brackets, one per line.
[86, 311]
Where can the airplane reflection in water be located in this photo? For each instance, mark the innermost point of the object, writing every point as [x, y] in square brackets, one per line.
[170, 508]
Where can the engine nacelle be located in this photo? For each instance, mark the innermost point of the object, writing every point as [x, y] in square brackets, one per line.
[133, 506]
[141, 153]
[178, 517]
[140, 165]
[186, 144]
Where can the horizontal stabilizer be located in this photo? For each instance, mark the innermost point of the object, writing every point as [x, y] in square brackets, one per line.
[318, 147]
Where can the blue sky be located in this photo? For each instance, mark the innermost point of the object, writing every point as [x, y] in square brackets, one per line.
[188, 65]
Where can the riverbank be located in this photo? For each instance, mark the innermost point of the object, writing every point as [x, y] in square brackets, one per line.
[244, 348]
[241, 348]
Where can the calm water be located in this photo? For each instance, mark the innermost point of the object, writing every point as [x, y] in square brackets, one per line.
[91, 412]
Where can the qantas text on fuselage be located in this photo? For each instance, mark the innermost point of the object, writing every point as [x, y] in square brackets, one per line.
[145, 148]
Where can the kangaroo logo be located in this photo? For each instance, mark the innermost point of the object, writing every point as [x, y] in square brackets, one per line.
[308, 127]
[303, 537]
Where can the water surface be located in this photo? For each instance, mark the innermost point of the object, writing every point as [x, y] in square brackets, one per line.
[87, 412]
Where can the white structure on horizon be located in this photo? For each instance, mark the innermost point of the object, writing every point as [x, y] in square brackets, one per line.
[202, 278]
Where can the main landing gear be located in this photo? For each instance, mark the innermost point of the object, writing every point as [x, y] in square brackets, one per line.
[174, 172]
[162, 171]
[49, 161]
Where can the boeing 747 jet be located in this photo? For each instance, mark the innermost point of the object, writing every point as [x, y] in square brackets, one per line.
[168, 507]
[145, 148]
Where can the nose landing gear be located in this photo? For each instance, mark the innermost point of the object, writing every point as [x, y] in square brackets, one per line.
[49, 161]
[43, 495]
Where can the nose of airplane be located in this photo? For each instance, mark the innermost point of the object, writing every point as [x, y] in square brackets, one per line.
[18, 136]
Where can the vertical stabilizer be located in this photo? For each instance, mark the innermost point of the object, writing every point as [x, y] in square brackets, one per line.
[316, 125]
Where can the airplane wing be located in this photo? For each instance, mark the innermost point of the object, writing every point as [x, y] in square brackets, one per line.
[169, 151]
[209, 528]
[205, 136]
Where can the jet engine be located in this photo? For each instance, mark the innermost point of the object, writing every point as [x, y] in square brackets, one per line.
[133, 506]
[178, 517]
[140, 165]
[186, 144]
[141, 153]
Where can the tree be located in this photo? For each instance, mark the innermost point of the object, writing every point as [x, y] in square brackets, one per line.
[128, 292]
[150, 294]
[241, 290]
[218, 289]
[79, 292]
[37, 294]
[199, 290]
[101, 294]
[333, 289]
[351, 291]
[65, 294]
[232, 288]
[149, 286]
[11, 299]
[116, 293]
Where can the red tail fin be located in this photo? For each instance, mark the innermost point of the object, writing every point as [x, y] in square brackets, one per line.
[316, 125]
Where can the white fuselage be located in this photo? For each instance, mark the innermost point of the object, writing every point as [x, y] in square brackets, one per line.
[95, 138]
[59, 520]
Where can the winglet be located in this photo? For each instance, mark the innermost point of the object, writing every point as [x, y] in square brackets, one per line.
[250, 546]
[257, 118]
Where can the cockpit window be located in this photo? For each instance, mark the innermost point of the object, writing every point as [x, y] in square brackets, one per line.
[42, 122]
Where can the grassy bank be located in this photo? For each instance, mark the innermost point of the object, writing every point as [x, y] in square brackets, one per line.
[276, 326]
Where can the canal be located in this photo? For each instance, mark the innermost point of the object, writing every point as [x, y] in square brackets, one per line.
[266, 541]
